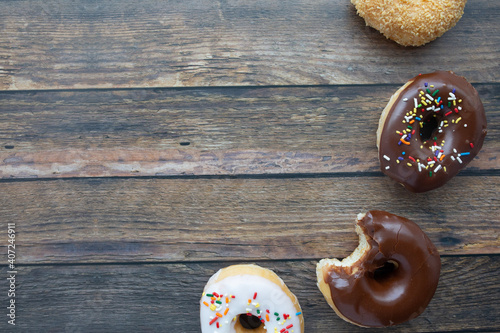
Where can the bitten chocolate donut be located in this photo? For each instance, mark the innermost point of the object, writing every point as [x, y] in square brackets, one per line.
[411, 23]
[390, 277]
[432, 127]
[249, 298]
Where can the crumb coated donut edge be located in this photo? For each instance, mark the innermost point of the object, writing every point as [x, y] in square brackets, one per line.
[411, 23]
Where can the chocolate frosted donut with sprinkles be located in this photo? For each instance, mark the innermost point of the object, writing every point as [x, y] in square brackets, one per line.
[432, 127]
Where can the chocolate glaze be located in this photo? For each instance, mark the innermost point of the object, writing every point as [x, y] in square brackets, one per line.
[399, 293]
[455, 135]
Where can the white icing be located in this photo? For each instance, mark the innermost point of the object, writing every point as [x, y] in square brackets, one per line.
[270, 299]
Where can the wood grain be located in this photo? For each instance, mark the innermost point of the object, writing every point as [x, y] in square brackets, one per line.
[59, 44]
[205, 131]
[164, 297]
[151, 220]
[146, 144]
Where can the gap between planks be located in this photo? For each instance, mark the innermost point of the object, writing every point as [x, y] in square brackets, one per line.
[217, 131]
[115, 220]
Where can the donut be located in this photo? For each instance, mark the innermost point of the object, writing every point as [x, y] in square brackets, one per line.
[411, 23]
[249, 298]
[391, 276]
[432, 127]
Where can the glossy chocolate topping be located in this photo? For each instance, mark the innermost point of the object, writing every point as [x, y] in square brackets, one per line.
[394, 280]
[434, 128]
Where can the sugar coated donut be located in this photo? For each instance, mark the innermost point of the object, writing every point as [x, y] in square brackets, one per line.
[390, 277]
[432, 127]
[249, 298]
[411, 23]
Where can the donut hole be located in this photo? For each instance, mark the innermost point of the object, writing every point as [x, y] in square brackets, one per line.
[385, 271]
[430, 125]
[249, 321]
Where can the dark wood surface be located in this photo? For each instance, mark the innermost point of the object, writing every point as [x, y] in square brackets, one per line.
[63, 44]
[144, 145]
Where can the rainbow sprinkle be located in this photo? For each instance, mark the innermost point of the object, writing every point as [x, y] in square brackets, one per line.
[220, 304]
[426, 107]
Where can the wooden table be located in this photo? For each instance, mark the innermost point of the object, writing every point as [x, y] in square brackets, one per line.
[146, 144]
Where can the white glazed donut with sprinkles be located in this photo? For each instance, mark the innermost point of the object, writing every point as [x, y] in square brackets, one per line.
[249, 298]
[431, 128]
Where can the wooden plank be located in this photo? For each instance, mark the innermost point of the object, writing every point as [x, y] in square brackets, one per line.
[164, 297]
[57, 44]
[129, 220]
[208, 131]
